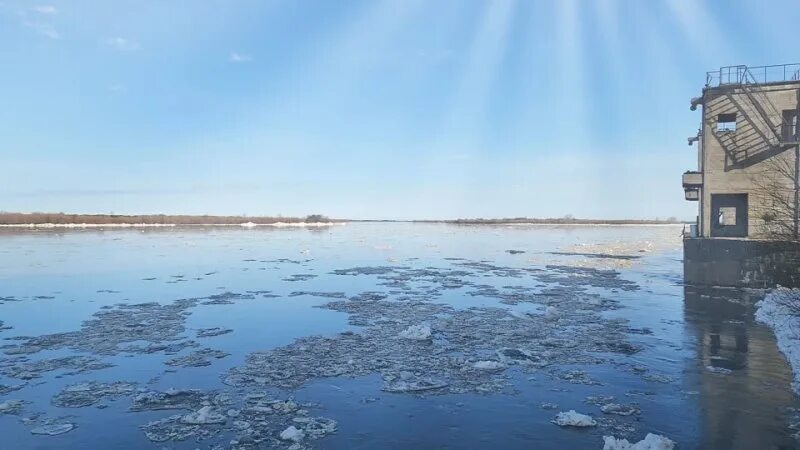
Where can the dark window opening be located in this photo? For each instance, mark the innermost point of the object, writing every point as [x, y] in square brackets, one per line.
[789, 124]
[726, 123]
[729, 215]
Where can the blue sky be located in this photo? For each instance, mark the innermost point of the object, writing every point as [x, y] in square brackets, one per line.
[365, 109]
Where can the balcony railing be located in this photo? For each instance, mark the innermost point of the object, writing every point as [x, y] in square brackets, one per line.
[753, 74]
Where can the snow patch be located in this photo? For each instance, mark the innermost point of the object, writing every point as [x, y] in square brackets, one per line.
[572, 418]
[650, 442]
[780, 310]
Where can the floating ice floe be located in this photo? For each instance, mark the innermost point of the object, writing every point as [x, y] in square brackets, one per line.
[620, 410]
[211, 332]
[204, 415]
[650, 442]
[5, 389]
[416, 332]
[779, 310]
[572, 418]
[413, 386]
[292, 434]
[53, 429]
[89, 393]
[489, 365]
[11, 407]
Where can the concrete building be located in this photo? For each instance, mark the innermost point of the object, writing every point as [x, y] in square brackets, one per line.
[747, 182]
[747, 147]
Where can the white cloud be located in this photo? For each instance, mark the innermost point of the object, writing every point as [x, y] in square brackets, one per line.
[45, 9]
[43, 29]
[122, 44]
[237, 57]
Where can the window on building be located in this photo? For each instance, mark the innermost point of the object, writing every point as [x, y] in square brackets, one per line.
[726, 123]
[788, 125]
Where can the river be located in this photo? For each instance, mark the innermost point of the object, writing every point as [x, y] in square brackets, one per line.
[377, 335]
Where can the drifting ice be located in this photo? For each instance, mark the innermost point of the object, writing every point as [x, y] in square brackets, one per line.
[203, 416]
[489, 365]
[650, 442]
[292, 434]
[572, 418]
[416, 332]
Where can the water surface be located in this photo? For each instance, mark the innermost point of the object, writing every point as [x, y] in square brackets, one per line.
[694, 363]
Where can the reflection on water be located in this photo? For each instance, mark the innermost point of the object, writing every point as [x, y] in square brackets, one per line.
[746, 408]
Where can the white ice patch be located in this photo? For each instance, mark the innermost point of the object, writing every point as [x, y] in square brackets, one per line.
[780, 310]
[10, 406]
[416, 332]
[572, 418]
[203, 416]
[519, 314]
[489, 365]
[650, 442]
[292, 434]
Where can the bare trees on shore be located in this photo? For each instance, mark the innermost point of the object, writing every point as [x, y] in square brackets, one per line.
[8, 218]
[778, 197]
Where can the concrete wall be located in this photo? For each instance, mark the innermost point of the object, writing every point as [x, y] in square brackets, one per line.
[732, 161]
[741, 263]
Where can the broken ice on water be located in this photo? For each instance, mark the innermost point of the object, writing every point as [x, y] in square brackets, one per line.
[440, 331]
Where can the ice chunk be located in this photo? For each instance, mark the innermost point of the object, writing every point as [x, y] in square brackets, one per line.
[11, 406]
[53, 429]
[520, 314]
[489, 365]
[416, 332]
[572, 418]
[551, 312]
[203, 416]
[650, 442]
[620, 410]
[292, 434]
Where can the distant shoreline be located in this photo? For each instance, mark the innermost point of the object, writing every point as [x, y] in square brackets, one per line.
[62, 220]
[535, 221]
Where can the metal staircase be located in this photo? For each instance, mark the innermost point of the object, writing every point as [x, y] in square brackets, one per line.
[763, 105]
[781, 132]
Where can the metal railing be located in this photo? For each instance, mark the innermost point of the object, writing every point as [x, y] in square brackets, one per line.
[753, 75]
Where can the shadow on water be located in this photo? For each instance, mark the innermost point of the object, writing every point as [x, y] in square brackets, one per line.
[747, 407]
